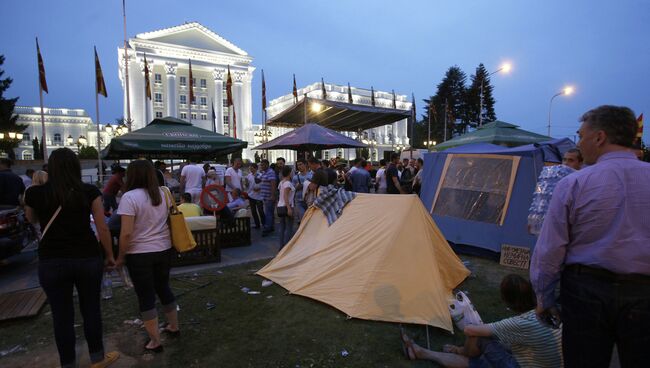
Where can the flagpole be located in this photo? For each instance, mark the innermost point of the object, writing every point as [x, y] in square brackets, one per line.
[126, 71]
[43, 142]
[100, 172]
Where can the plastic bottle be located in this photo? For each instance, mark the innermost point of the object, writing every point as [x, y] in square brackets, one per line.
[107, 286]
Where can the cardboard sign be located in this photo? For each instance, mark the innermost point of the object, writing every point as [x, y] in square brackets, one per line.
[514, 256]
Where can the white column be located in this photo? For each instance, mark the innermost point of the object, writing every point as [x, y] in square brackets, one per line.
[172, 98]
[218, 73]
[239, 103]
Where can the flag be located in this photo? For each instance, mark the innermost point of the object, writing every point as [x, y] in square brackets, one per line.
[322, 86]
[41, 69]
[214, 117]
[350, 94]
[263, 92]
[295, 90]
[372, 96]
[639, 131]
[230, 103]
[191, 84]
[99, 77]
[147, 81]
[395, 101]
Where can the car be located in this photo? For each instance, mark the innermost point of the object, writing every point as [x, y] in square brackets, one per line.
[12, 231]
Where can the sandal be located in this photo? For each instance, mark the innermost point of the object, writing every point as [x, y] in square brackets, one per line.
[157, 349]
[165, 330]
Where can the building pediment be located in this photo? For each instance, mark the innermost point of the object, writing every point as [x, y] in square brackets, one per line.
[193, 35]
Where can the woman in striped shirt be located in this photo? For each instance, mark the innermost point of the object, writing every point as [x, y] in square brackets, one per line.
[519, 341]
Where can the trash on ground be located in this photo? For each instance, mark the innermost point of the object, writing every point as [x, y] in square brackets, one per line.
[210, 305]
[15, 349]
[253, 292]
[266, 283]
[344, 353]
[245, 289]
[269, 297]
[219, 271]
[134, 322]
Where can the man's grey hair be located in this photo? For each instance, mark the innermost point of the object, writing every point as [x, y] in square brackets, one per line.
[618, 122]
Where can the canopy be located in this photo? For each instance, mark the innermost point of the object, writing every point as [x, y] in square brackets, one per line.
[171, 138]
[401, 269]
[337, 115]
[496, 132]
[311, 137]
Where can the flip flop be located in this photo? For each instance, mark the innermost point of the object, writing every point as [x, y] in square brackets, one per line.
[406, 344]
[165, 330]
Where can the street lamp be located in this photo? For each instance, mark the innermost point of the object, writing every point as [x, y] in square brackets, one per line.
[505, 67]
[316, 107]
[108, 128]
[82, 140]
[429, 144]
[69, 140]
[565, 91]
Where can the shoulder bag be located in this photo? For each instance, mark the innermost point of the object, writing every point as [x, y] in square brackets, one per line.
[182, 238]
[49, 223]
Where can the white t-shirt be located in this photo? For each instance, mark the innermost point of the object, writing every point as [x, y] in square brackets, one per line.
[235, 179]
[150, 230]
[283, 185]
[253, 189]
[193, 178]
[381, 178]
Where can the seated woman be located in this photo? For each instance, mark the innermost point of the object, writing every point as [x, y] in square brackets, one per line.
[519, 341]
[188, 208]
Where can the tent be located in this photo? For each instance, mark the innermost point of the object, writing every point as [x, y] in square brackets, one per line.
[383, 259]
[496, 132]
[171, 138]
[311, 137]
[479, 194]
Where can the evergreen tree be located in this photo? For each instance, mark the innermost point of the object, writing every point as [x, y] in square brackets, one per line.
[87, 152]
[473, 97]
[7, 117]
[449, 103]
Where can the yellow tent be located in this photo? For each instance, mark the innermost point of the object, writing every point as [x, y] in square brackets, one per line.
[383, 259]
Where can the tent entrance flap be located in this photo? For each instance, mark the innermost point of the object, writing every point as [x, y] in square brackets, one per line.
[476, 187]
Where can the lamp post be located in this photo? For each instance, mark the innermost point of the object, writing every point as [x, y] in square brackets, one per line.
[11, 136]
[565, 91]
[506, 67]
[429, 144]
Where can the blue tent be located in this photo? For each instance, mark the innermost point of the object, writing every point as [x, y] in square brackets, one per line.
[479, 194]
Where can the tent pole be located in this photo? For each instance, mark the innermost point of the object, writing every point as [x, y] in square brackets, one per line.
[428, 343]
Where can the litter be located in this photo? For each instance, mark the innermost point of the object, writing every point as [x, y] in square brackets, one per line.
[269, 297]
[253, 292]
[178, 308]
[344, 353]
[15, 349]
[209, 305]
[266, 283]
[245, 289]
[219, 272]
[135, 322]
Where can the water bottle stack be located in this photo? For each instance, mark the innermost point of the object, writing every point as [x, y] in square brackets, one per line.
[548, 179]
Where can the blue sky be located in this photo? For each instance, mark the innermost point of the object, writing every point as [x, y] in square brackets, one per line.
[600, 47]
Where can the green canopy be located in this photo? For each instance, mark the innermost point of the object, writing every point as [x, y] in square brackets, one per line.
[171, 138]
[496, 132]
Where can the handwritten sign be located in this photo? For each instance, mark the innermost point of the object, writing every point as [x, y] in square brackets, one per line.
[514, 256]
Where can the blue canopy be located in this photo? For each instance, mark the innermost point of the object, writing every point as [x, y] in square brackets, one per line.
[474, 198]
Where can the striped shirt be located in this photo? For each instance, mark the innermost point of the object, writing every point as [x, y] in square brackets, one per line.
[268, 176]
[532, 344]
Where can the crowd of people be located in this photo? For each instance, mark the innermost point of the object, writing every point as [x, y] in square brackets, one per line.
[594, 240]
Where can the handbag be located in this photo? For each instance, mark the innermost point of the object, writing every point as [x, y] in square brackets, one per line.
[283, 211]
[182, 238]
[49, 223]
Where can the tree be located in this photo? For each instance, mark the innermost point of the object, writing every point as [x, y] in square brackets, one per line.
[38, 149]
[7, 117]
[87, 152]
[473, 97]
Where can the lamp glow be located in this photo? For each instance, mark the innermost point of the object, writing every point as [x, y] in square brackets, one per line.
[19, 136]
[69, 139]
[506, 67]
[108, 128]
[12, 135]
[316, 107]
[568, 90]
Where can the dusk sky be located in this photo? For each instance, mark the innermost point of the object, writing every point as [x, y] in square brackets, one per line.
[602, 48]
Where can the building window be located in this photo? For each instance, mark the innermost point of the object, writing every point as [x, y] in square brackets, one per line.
[193, 82]
[204, 116]
[226, 120]
[204, 83]
[204, 101]
[183, 115]
[26, 138]
[183, 100]
[225, 102]
[326, 155]
[193, 116]
[157, 78]
[57, 138]
[158, 114]
[157, 97]
[27, 155]
[183, 81]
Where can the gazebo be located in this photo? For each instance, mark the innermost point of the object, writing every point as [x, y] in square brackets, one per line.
[497, 132]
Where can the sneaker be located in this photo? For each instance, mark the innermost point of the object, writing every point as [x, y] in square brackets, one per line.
[109, 358]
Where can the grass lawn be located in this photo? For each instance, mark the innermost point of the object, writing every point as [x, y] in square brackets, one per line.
[272, 329]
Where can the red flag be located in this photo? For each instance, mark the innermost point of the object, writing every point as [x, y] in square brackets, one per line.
[147, 81]
[639, 121]
[395, 101]
[372, 96]
[295, 90]
[41, 69]
[191, 84]
[350, 94]
[322, 85]
[99, 77]
[230, 103]
[263, 92]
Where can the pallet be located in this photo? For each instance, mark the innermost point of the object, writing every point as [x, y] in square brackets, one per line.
[24, 303]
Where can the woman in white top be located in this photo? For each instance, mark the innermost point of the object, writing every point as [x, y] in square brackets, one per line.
[145, 245]
[285, 203]
[380, 178]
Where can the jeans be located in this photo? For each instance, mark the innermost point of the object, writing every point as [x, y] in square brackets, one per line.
[299, 211]
[58, 277]
[110, 202]
[286, 229]
[150, 276]
[269, 211]
[257, 210]
[493, 354]
[597, 313]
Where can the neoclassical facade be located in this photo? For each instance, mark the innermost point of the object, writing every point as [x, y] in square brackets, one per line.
[168, 52]
[63, 128]
[382, 139]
